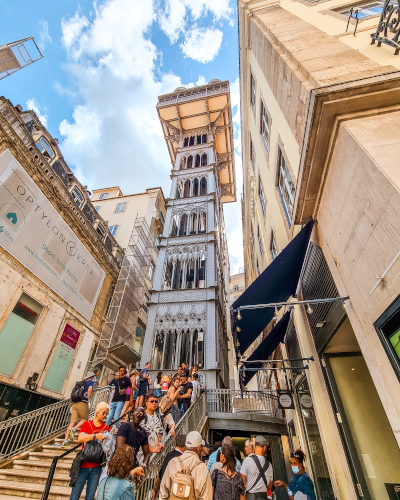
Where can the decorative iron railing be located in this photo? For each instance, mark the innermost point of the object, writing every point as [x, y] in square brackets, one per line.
[191, 421]
[388, 29]
[189, 96]
[19, 433]
[228, 401]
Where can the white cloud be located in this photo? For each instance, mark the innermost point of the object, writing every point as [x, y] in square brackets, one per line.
[42, 115]
[175, 15]
[201, 81]
[202, 44]
[44, 37]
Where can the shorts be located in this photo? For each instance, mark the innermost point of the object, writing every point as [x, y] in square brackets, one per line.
[79, 411]
[142, 390]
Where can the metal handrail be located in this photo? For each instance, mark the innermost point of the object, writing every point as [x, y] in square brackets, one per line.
[232, 401]
[22, 432]
[190, 421]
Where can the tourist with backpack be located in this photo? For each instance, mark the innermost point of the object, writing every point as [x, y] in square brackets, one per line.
[80, 406]
[257, 472]
[187, 477]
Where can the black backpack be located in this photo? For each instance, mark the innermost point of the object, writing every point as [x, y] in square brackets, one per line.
[78, 392]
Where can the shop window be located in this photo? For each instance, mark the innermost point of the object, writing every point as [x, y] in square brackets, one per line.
[286, 188]
[120, 207]
[77, 196]
[103, 196]
[252, 92]
[273, 247]
[252, 155]
[261, 195]
[113, 230]
[264, 126]
[16, 332]
[45, 148]
[101, 231]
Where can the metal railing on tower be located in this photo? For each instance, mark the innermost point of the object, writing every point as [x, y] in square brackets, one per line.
[121, 337]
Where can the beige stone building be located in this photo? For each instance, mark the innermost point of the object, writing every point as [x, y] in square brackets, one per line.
[319, 119]
[236, 286]
[58, 262]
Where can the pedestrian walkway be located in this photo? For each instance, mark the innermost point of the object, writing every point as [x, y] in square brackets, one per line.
[28, 474]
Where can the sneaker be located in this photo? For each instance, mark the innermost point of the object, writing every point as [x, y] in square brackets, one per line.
[71, 434]
[65, 443]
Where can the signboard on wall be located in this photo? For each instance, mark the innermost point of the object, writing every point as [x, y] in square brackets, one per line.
[33, 232]
[62, 358]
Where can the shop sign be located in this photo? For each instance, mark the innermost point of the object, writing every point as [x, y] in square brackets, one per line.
[306, 401]
[33, 232]
[285, 400]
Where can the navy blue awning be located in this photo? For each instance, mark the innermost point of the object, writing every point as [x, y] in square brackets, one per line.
[277, 283]
[267, 347]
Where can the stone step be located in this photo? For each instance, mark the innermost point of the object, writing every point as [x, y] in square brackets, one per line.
[45, 455]
[31, 490]
[32, 476]
[41, 466]
[58, 450]
[61, 440]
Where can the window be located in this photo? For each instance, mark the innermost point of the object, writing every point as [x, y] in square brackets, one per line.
[273, 247]
[179, 189]
[260, 243]
[183, 225]
[203, 159]
[186, 191]
[113, 230]
[77, 196]
[97, 208]
[103, 196]
[199, 139]
[202, 222]
[252, 155]
[286, 188]
[191, 141]
[120, 207]
[151, 271]
[261, 195]
[203, 186]
[175, 225]
[45, 148]
[196, 187]
[365, 9]
[186, 142]
[204, 139]
[189, 162]
[197, 161]
[235, 288]
[264, 127]
[252, 92]
[100, 229]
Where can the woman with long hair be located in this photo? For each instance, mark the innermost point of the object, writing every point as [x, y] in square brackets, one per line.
[226, 482]
[173, 391]
[157, 385]
[117, 485]
[301, 481]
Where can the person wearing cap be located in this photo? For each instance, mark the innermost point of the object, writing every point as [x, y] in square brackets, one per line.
[189, 460]
[257, 472]
[205, 451]
[80, 410]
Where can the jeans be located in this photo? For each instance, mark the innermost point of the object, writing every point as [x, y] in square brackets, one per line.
[91, 475]
[115, 412]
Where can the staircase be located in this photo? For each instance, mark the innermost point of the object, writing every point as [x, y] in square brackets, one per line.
[28, 474]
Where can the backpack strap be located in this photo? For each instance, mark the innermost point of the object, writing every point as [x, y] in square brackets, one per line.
[261, 470]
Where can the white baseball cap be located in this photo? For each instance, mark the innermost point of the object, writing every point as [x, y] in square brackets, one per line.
[193, 439]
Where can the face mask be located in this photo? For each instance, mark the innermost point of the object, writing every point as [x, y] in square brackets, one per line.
[295, 469]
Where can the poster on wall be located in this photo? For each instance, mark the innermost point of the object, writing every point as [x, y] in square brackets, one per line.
[33, 232]
[62, 358]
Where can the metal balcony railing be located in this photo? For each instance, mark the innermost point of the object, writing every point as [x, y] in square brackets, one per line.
[228, 401]
[19, 433]
[192, 420]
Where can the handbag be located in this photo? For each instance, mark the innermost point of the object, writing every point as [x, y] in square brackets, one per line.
[93, 450]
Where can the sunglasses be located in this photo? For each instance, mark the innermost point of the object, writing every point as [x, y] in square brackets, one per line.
[152, 401]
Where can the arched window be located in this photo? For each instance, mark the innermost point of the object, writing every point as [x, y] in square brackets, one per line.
[45, 148]
[183, 225]
[177, 283]
[186, 142]
[201, 272]
[179, 189]
[204, 139]
[202, 222]
[182, 166]
[100, 229]
[167, 281]
[77, 197]
[203, 159]
[196, 187]
[189, 163]
[186, 191]
[193, 224]
[203, 186]
[199, 139]
[197, 161]
[175, 225]
[191, 141]
[190, 270]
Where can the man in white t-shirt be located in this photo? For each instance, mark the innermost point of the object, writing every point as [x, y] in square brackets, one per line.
[257, 472]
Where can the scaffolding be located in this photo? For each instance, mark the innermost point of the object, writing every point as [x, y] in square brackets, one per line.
[17, 55]
[121, 338]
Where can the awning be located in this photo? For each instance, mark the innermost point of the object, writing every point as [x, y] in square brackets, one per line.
[124, 352]
[276, 283]
[267, 347]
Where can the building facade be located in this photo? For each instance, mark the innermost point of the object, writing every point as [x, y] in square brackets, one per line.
[319, 142]
[188, 319]
[58, 262]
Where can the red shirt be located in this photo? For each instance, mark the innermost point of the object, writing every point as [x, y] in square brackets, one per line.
[90, 428]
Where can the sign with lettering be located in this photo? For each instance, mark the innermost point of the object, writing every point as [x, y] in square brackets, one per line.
[33, 232]
[285, 400]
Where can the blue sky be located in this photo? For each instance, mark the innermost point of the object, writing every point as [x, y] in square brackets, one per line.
[104, 65]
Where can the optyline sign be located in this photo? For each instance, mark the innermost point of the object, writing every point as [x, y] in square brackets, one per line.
[32, 231]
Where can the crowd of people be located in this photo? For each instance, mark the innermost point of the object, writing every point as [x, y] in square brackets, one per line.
[205, 473]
